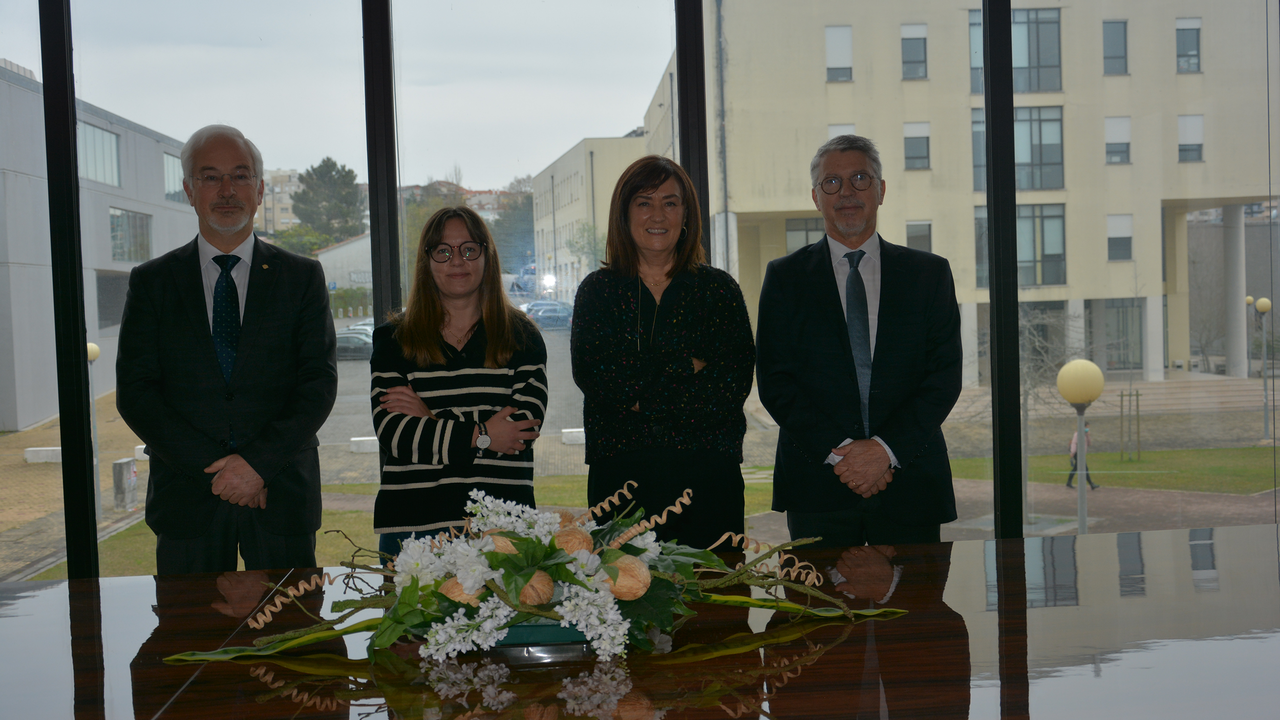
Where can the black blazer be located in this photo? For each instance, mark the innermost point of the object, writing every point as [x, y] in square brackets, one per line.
[171, 392]
[807, 381]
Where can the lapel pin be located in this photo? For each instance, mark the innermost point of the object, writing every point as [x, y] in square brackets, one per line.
[264, 266]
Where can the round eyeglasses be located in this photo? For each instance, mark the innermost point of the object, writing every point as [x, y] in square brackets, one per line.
[832, 185]
[238, 179]
[443, 252]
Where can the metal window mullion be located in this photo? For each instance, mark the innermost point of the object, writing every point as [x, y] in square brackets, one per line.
[380, 133]
[1002, 256]
[691, 106]
[70, 337]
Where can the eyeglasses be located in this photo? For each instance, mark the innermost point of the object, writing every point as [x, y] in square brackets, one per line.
[238, 179]
[832, 185]
[443, 252]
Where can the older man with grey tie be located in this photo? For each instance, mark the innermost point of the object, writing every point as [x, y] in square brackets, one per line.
[226, 370]
[859, 360]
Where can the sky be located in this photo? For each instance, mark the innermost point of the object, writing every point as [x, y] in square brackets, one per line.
[498, 88]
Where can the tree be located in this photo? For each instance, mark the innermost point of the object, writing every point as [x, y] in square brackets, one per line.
[520, 184]
[588, 244]
[330, 200]
[302, 240]
[513, 232]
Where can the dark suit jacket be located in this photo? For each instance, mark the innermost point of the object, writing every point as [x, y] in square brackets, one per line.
[807, 381]
[171, 392]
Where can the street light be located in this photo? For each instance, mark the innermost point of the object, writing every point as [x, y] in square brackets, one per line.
[1263, 306]
[1080, 383]
[93, 353]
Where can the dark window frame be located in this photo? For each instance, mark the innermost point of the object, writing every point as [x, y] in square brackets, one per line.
[1044, 167]
[1115, 60]
[913, 159]
[1043, 71]
[915, 69]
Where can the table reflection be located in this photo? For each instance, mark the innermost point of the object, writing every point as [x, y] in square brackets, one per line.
[1179, 623]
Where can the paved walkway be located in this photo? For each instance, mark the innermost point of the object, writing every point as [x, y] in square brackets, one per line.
[32, 530]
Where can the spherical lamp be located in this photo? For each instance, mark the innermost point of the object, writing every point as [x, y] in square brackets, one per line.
[94, 351]
[1263, 305]
[1080, 383]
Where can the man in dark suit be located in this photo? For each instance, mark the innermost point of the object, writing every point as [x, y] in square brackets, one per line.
[859, 369]
[226, 370]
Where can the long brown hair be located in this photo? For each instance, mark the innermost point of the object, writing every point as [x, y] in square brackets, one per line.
[418, 328]
[646, 174]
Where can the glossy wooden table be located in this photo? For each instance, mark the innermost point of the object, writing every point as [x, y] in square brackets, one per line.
[1168, 624]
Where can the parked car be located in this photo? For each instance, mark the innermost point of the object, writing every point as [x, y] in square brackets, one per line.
[366, 323]
[528, 308]
[553, 316]
[355, 343]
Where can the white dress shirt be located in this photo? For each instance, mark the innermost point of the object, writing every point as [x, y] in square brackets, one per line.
[210, 270]
[869, 268]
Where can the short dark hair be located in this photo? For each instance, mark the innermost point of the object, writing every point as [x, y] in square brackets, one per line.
[846, 143]
[647, 174]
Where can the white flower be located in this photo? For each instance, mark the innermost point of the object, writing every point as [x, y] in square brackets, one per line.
[459, 633]
[596, 693]
[494, 514]
[594, 612]
[648, 542]
[584, 565]
[417, 560]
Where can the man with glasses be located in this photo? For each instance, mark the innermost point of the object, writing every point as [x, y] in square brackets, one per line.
[859, 363]
[226, 370]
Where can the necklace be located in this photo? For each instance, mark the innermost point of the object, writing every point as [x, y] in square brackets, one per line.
[458, 341]
[639, 303]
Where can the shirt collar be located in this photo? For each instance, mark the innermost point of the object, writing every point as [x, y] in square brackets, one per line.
[871, 247]
[208, 252]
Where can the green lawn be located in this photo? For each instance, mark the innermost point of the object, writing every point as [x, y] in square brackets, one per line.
[132, 551]
[1238, 471]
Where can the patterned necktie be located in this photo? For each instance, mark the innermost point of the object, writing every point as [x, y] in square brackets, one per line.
[226, 315]
[855, 296]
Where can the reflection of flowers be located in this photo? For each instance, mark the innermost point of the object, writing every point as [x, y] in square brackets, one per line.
[452, 681]
[596, 693]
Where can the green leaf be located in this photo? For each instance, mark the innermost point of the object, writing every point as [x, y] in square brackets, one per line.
[609, 556]
[657, 607]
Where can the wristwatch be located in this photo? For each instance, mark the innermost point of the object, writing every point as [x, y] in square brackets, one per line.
[483, 440]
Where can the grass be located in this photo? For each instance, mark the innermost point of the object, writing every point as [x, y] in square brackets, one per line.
[133, 551]
[1236, 471]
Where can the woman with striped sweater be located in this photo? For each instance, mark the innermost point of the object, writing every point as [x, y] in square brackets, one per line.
[459, 386]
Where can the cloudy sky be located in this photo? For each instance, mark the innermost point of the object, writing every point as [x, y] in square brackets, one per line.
[501, 88]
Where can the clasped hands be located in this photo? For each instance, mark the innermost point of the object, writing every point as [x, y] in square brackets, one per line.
[237, 482]
[507, 436]
[864, 467]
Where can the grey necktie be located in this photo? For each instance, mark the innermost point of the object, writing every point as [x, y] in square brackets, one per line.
[855, 296]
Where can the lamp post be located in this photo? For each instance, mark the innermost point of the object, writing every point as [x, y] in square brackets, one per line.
[1080, 383]
[94, 352]
[1263, 306]
[1248, 301]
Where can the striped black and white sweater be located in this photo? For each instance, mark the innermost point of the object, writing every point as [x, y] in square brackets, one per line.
[431, 465]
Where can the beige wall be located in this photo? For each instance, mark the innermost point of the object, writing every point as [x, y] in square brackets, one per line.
[778, 106]
[584, 179]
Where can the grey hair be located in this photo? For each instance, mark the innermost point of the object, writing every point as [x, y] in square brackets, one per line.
[209, 132]
[846, 143]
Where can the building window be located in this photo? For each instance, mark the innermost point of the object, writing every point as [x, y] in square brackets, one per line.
[1115, 48]
[98, 154]
[130, 236]
[1204, 566]
[1037, 147]
[1050, 573]
[920, 236]
[835, 131]
[1117, 137]
[915, 142]
[975, 52]
[804, 232]
[1037, 57]
[1123, 318]
[915, 56]
[1190, 138]
[839, 53]
[983, 271]
[1188, 30]
[1042, 245]
[173, 179]
[1133, 575]
[112, 288]
[979, 149]
[1119, 237]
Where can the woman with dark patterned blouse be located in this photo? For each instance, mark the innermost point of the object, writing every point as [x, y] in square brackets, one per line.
[459, 386]
[662, 350]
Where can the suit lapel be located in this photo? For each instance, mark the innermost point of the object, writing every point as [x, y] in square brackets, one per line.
[262, 278]
[827, 295]
[189, 284]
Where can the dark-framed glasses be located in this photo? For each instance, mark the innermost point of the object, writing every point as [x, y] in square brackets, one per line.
[238, 179]
[832, 185]
[443, 252]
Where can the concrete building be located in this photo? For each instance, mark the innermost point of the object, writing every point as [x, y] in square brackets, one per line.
[132, 208]
[348, 264]
[571, 209]
[275, 214]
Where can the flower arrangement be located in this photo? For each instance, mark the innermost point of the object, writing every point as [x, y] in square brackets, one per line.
[611, 581]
